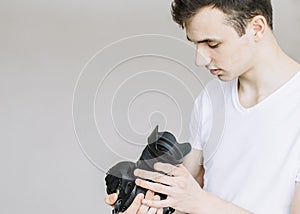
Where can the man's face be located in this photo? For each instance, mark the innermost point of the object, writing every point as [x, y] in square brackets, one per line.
[218, 46]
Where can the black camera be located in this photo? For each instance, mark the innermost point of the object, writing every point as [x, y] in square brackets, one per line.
[162, 147]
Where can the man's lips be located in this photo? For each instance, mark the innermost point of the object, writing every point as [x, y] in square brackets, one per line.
[215, 71]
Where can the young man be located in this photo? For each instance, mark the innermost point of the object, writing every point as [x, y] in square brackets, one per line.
[256, 165]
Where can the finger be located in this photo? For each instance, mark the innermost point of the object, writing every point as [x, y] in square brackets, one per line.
[153, 210]
[135, 205]
[111, 199]
[160, 211]
[149, 195]
[156, 198]
[168, 169]
[154, 176]
[157, 204]
[155, 187]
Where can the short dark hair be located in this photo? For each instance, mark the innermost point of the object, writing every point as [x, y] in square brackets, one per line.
[238, 12]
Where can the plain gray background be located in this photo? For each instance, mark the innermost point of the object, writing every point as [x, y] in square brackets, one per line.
[44, 48]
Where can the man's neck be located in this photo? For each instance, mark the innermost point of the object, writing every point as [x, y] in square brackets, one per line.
[273, 69]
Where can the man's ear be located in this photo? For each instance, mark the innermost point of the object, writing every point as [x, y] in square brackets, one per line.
[258, 26]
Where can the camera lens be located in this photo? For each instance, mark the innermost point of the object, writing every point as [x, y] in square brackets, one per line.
[162, 147]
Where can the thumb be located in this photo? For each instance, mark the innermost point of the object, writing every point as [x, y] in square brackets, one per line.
[135, 205]
[111, 199]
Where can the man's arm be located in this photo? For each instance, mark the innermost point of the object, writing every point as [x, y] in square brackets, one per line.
[296, 201]
[194, 163]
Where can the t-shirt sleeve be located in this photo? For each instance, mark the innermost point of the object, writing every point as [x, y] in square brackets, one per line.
[200, 121]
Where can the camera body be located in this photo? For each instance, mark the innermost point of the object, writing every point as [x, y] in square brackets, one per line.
[161, 147]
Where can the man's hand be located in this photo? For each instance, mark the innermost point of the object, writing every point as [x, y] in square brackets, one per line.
[136, 206]
[182, 190]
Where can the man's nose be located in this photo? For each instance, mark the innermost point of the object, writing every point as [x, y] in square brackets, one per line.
[202, 57]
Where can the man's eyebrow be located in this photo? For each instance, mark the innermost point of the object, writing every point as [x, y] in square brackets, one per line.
[202, 41]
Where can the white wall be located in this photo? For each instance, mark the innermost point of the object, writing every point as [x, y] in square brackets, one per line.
[44, 46]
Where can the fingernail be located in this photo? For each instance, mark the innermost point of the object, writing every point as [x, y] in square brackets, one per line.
[141, 196]
[135, 172]
[156, 165]
[145, 201]
[137, 181]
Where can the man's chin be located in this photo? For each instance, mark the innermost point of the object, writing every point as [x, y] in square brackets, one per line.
[224, 78]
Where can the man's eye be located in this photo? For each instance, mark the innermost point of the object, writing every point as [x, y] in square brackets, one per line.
[213, 45]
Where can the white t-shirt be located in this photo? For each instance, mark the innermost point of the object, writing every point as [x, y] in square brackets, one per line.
[251, 155]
